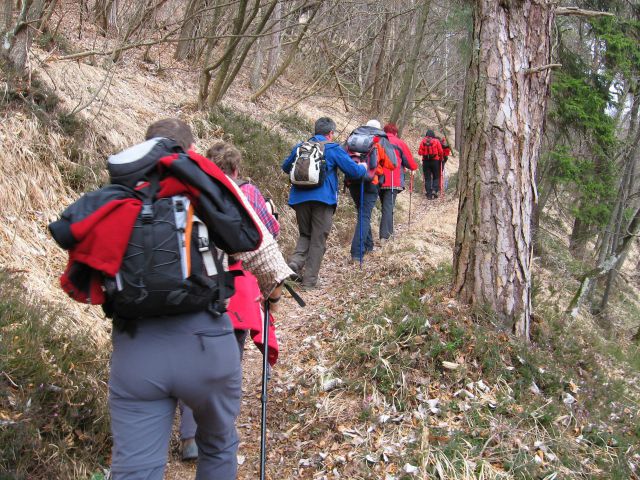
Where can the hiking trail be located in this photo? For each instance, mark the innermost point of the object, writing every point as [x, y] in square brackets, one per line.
[305, 336]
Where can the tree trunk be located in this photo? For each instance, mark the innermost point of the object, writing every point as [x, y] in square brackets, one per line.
[274, 52]
[256, 72]
[578, 238]
[410, 69]
[604, 267]
[214, 95]
[16, 41]
[192, 17]
[505, 107]
[282, 68]
[6, 16]
[378, 70]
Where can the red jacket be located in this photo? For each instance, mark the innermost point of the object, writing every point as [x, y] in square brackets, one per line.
[96, 228]
[395, 178]
[446, 148]
[246, 313]
[434, 148]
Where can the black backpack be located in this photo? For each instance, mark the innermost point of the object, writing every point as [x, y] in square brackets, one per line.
[169, 266]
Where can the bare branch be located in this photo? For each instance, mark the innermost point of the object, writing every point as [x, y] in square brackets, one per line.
[579, 12]
[542, 68]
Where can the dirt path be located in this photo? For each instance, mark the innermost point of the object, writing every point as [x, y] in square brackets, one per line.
[305, 336]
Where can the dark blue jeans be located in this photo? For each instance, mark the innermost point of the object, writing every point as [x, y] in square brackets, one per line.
[364, 218]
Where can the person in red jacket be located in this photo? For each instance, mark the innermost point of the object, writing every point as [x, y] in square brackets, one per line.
[393, 180]
[432, 157]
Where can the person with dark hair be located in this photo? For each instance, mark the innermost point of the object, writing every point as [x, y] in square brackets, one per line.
[315, 207]
[432, 155]
[171, 336]
[393, 180]
[172, 128]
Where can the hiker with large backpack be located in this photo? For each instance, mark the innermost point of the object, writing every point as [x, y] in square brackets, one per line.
[369, 146]
[393, 180]
[312, 167]
[150, 249]
[432, 155]
[244, 306]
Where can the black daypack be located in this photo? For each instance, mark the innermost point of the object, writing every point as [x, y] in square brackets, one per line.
[169, 266]
[309, 167]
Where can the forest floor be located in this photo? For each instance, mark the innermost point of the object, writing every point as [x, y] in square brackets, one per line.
[305, 337]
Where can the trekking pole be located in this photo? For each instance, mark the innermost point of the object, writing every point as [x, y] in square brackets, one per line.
[441, 179]
[265, 378]
[392, 198]
[410, 195]
[360, 221]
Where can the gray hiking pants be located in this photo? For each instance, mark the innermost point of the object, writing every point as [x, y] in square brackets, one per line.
[193, 357]
[314, 224]
[188, 424]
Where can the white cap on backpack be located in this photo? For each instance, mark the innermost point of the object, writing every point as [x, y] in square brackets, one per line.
[374, 124]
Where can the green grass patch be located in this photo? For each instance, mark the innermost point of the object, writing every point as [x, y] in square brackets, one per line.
[263, 150]
[53, 412]
[295, 124]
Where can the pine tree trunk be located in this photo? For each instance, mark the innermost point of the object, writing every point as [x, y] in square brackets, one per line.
[579, 238]
[505, 107]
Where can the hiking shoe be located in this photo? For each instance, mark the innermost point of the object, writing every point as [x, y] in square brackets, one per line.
[189, 450]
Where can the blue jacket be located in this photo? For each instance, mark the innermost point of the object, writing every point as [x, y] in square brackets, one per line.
[335, 157]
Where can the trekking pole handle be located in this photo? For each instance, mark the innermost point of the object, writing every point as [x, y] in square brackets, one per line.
[295, 295]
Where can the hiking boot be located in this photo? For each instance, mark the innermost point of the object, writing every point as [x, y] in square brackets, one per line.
[189, 450]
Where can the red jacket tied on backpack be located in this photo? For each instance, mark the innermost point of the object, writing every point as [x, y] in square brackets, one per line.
[431, 149]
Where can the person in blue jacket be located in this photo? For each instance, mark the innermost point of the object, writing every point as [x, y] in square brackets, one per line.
[315, 207]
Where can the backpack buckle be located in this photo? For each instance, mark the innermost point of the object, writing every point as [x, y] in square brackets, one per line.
[203, 244]
[147, 213]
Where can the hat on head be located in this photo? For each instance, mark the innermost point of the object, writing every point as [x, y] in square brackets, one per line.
[374, 123]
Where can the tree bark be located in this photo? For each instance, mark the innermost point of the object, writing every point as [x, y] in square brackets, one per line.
[579, 238]
[274, 52]
[192, 17]
[282, 68]
[16, 41]
[503, 121]
[6, 16]
[378, 70]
